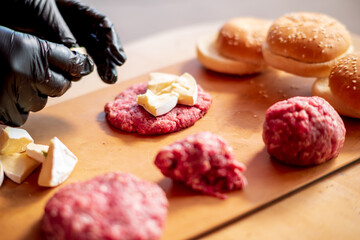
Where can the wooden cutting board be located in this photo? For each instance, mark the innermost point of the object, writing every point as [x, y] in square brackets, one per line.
[237, 114]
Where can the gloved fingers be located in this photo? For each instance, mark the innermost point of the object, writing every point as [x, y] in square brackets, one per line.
[54, 85]
[54, 27]
[70, 62]
[112, 41]
[107, 71]
[10, 114]
[117, 54]
[42, 19]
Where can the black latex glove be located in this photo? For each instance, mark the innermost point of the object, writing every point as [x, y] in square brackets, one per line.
[97, 34]
[32, 69]
[59, 20]
[37, 17]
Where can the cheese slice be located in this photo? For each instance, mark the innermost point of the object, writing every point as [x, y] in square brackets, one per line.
[58, 164]
[18, 166]
[157, 105]
[1, 174]
[186, 87]
[14, 140]
[37, 152]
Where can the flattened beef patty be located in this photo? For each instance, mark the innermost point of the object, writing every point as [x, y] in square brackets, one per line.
[126, 114]
[111, 206]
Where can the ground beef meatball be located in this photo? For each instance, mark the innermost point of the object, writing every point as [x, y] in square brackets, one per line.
[126, 114]
[203, 161]
[303, 131]
[110, 206]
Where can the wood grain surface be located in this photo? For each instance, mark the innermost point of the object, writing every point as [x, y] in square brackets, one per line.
[237, 114]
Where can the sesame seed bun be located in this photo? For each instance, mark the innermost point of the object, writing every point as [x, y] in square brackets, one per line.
[236, 48]
[342, 88]
[306, 44]
[242, 38]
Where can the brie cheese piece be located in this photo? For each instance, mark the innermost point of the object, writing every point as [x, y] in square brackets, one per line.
[14, 140]
[79, 50]
[164, 88]
[58, 164]
[157, 105]
[161, 83]
[37, 152]
[18, 166]
[186, 87]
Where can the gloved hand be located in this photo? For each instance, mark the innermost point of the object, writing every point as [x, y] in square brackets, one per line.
[60, 20]
[97, 34]
[32, 69]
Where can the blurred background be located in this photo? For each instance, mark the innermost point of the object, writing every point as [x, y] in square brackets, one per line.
[159, 33]
[135, 19]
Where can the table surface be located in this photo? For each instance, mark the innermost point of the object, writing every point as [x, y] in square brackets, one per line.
[329, 207]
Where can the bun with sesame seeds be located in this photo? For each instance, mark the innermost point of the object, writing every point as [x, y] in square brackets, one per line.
[306, 44]
[342, 87]
[236, 48]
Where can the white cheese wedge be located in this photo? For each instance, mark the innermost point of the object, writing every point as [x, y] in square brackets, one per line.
[161, 83]
[186, 87]
[37, 152]
[157, 105]
[14, 140]
[58, 164]
[1, 174]
[18, 166]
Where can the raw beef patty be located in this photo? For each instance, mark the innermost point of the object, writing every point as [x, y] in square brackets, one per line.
[303, 131]
[110, 206]
[203, 161]
[126, 114]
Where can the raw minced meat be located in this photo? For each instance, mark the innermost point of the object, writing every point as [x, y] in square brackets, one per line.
[203, 161]
[111, 206]
[126, 114]
[303, 131]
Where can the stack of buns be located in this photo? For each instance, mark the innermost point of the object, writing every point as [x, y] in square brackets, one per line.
[302, 43]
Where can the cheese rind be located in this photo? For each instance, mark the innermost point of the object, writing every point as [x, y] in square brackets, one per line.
[18, 166]
[37, 151]
[58, 164]
[14, 140]
[157, 105]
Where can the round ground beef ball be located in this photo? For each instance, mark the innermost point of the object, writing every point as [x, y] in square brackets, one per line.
[126, 114]
[203, 161]
[303, 131]
[110, 206]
